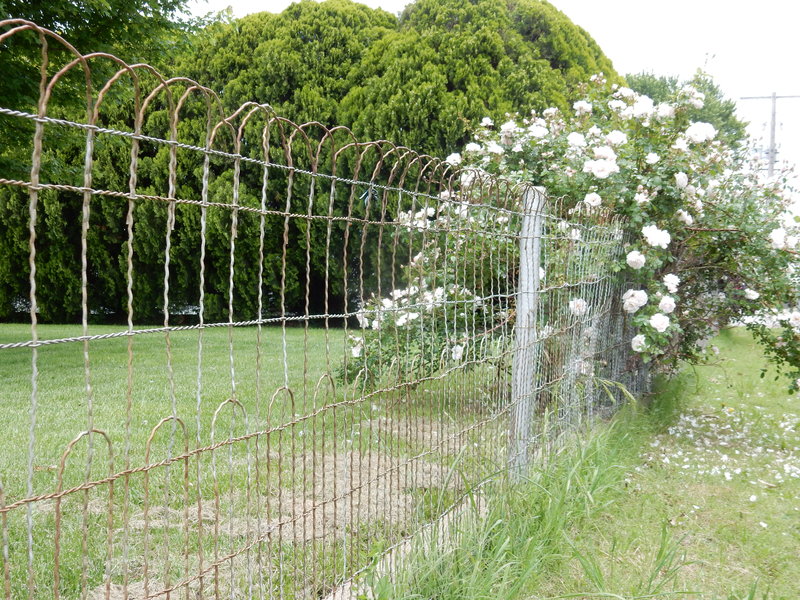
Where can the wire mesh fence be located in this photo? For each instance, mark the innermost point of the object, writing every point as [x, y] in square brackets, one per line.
[293, 349]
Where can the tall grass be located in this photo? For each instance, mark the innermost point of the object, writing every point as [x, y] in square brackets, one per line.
[693, 496]
[509, 537]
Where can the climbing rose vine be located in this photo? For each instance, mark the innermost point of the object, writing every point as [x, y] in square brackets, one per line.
[708, 239]
[707, 242]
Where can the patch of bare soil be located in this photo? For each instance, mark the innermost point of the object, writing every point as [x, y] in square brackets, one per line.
[351, 489]
[421, 433]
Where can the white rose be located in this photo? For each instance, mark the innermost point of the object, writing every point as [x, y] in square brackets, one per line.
[617, 105]
[643, 107]
[638, 343]
[593, 199]
[578, 306]
[605, 152]
[681, 179]
[616, 138]
[576, 140]
[487, 122]
[625, 92]
[472, 147]
[659, 322]
[537, 130]
[641, 198]
[656, 237]
[671, 281]
[457, 353]
[633, 300]
[667, 304]
[508, 126]
[594, 131]
[454, 159]
[601, 168]
[794, 319]
[751, 294]
[681, 144]
[778, 238]
[494, 148]
[652, 158]
[701, 132]
[684, 217]
[635, 259]
[582, 107]
[665, 111]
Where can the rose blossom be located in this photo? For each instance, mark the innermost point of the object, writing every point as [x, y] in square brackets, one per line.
[578, 306]
[700, 132]
[616, 138]
[576, 140]
[638, 343]
[633, 300]
[601, 168]
[778, 238]
[593, 199]
[671, 281]
[652, 158]
[635, 259]
[659, 322]
[684, 217]
[582, 107]
[667, 304]
[656, 237]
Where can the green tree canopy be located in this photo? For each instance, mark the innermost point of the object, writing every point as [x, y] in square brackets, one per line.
[423, 80]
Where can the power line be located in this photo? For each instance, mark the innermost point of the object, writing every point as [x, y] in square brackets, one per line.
[773, 151]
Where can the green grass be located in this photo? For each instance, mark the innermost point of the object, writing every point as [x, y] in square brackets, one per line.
[235, 484]
[637, 509]
[716, 482]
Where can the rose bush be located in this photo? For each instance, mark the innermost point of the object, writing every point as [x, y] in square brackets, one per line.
[454, 301]
[707, 240]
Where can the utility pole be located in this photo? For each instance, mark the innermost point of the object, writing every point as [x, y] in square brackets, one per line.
[773, 151]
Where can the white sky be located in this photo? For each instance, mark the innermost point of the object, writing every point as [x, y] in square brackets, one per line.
[750, 48]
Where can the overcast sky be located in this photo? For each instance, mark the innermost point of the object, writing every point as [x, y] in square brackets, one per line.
[750, 48]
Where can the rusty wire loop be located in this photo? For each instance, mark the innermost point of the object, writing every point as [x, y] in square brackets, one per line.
[318, 347]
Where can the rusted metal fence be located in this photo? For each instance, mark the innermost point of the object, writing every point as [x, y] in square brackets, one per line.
[352, 337]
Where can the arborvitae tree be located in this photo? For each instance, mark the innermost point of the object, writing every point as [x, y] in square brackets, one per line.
[422, 80]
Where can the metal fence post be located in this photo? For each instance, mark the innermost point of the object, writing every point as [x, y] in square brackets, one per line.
[525, 336]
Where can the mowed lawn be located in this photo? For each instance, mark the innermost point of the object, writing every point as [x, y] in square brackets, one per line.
[191, 387]
[196, 387]
[146, 527]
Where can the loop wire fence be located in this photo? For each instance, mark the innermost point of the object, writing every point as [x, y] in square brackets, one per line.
[290, 350]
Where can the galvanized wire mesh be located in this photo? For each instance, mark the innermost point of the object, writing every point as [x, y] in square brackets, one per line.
[352, 338]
